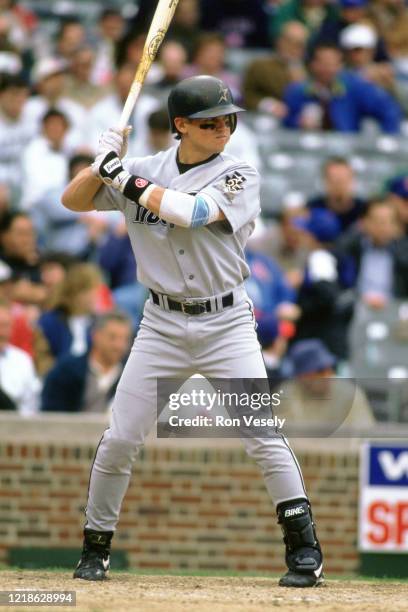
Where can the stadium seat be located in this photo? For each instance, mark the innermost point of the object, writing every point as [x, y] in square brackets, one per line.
[238, 59]
[378, 355]
[273, 189]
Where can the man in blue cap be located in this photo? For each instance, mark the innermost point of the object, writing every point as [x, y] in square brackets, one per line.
[316, 401]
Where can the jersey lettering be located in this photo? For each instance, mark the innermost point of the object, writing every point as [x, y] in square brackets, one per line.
[147, 217]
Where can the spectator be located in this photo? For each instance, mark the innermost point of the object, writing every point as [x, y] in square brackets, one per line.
[339, 196]
[53, 269]
[70, 37]
[17, 26]
[268, 288]
[12, 30]
[266, 78]
[334, 100]
[391, 20]
[373, 256]
[115, 256]
[79, 86]
[358, 42]
[325, 314]
[280, 239]
[209, 58]
[5, 198]
[158, 136]
[21, 334]
[19, 386]
[129, 49]
[49, 78]
[310, 13]
[398, 195]
[351, 12]
[44, 161]
[87, 382]
[389, 16]
[397, 44]
[61, 230]
[316, 401]
[18, 249]
[171, 67]
[107, 111]
[65, 328]
[25, 17]
[111, 28]
[274, 308]
[16, 131]
[185, 25]
[243, 24]
[273, 338]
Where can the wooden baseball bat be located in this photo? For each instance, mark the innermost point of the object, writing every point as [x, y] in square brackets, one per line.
[157, 31]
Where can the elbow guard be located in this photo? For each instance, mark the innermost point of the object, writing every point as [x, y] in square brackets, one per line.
[187, 210]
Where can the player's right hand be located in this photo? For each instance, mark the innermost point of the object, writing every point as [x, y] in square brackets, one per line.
[114, 139]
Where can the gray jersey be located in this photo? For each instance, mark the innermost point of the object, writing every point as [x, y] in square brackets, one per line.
[190, 262]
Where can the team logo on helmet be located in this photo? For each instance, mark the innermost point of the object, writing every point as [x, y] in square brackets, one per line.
[224, 95]
[234, 183]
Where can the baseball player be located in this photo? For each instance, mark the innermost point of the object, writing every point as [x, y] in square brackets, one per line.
[189, 211]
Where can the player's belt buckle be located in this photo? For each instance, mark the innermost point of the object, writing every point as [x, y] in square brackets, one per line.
[189, 307]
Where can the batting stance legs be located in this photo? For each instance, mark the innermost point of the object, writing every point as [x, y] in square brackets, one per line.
[217, 347]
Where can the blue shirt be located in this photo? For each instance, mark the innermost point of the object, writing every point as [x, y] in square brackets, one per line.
[352, 100]
[267, 286]
[376, 272]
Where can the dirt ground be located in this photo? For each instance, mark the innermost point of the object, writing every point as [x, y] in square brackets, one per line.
[131, 592]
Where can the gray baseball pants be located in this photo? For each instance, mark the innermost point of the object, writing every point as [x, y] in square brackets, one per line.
[174, 345]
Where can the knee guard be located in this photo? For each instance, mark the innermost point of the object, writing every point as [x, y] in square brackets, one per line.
[303, 552]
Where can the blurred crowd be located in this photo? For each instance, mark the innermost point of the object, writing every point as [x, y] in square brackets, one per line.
[69, 299]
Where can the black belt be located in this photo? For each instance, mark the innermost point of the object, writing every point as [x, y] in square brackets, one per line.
[195, 307]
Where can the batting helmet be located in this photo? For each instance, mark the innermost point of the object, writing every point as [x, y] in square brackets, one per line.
[201, 97]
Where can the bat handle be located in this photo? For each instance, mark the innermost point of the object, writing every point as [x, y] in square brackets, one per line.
[129, 104]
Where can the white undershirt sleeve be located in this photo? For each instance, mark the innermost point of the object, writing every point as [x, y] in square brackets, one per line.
[188, 210]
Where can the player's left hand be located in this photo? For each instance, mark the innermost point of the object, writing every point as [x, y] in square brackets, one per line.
[114, 139]
[109, 168]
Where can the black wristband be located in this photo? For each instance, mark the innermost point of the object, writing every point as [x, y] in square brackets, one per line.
[135, 187]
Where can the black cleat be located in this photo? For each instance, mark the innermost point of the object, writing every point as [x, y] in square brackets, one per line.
[308, 572]
[294, 579]
[94, 562]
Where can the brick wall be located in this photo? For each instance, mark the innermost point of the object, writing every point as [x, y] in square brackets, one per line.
[191, 504]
